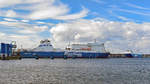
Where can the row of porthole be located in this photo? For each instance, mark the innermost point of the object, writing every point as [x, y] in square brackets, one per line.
[44, 45]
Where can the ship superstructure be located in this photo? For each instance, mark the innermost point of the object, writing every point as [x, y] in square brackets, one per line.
[89, 47]
[89, 50]
[45, 45]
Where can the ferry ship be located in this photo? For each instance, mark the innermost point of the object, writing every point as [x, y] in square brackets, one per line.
[46, 50]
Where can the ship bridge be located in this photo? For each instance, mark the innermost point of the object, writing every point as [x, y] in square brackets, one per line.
[45, 45]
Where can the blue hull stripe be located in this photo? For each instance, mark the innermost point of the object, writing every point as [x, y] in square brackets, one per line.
[62, 55]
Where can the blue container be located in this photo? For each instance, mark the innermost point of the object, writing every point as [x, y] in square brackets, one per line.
[10, 49]
[6, 49]
[3, 50]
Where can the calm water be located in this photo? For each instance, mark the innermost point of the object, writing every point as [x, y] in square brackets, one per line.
[75, 71]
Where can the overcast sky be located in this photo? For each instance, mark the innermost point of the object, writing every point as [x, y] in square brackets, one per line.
[121, 24]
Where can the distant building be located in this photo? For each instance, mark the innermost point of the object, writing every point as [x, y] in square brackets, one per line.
[6, 49]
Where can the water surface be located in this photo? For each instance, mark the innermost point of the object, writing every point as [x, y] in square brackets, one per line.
[76, 71]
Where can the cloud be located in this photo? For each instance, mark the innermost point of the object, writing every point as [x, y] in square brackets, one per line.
[25, 34]
[35, 29]
[119, 35]
[11, 13]
[2, 34]
[25, 21]
[124, 18]
[25, 28]
[59, 12]
[8, 13]
[46, 10]
[132, 11]
[137, 6]
[39, 22]
[39, 10]
[6, 3]
[79, 15]
[99, 1]
[10, 19]
[115, 9]
[26, 41]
